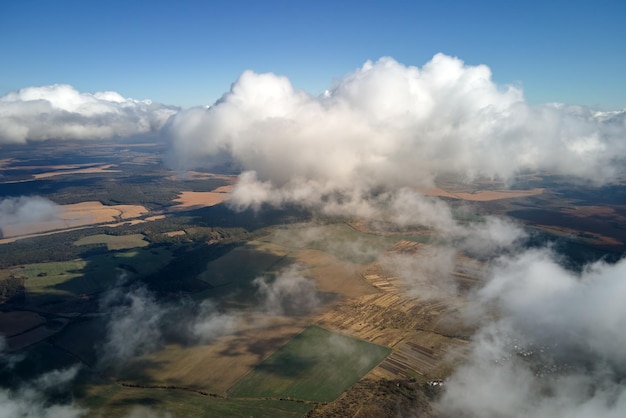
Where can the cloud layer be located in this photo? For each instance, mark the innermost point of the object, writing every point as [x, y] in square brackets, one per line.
[389, 126]
[61, 112]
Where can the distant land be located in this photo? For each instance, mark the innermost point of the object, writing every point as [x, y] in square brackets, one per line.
[138, 289]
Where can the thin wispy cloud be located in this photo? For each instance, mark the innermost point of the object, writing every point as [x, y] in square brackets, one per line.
[139, 324]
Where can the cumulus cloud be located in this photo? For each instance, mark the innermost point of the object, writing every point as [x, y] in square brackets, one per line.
[289, 293]
[556, 348]
[583, 311]
[387, 126]
[61, 112]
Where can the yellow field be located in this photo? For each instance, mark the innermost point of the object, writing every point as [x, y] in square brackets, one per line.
[59, 170]
[75, 216]
[91, 170]
[193, 200]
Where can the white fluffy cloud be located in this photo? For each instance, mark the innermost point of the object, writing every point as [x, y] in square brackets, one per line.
[61, 112]
[389, 126]
[556, 348]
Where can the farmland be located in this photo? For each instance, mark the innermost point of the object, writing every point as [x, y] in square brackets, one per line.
[90, 275]
[140, 244]
[230, 356]
[118, 401]
[188, 199]
[75, 216]
[316, 365]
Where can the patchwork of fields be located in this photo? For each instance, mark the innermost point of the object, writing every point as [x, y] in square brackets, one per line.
[269, 356]
[200, 291]
[316, 365]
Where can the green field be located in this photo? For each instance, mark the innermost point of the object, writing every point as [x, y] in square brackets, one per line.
[54, 282]
[68, 279]
[316, 365]
[115, 242]
[43, 277]
[118, 401]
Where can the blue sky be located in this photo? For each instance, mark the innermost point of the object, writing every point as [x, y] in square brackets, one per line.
[189, 52]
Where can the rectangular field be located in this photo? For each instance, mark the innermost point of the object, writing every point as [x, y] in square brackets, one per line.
[117, 401]
[316, 365]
